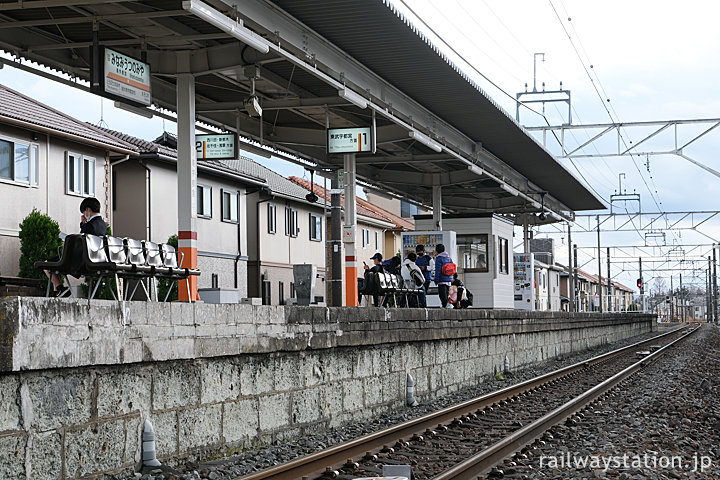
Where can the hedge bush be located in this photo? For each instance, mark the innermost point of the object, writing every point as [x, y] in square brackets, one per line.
[39, 240]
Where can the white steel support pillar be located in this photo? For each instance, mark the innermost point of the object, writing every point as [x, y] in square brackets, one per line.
[187, 182]
[526, 235]
[350, 231]
[437, 207]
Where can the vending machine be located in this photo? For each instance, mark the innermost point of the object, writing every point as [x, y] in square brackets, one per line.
[524, 273]
[429, 239]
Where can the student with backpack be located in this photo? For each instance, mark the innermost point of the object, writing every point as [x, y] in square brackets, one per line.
[413, 278]
[444, 271]
[426, 263]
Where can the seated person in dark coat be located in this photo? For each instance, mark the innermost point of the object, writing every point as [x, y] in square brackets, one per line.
[370, 286]
[91, 222]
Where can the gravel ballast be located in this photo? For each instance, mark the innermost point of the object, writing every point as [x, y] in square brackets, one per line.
[663, 422]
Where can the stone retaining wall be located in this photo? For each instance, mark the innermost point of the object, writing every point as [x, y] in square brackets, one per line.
[78, 381]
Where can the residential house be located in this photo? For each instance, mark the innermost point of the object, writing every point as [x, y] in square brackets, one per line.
[547, 287]
[49, 161]
[377, 230]
[389, 241]
[287, 229]
[588, 298]
[402, 207]
[144, 206]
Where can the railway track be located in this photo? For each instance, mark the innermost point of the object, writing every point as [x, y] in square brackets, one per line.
[468, 439]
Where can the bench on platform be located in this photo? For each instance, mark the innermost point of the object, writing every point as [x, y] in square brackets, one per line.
[107, 257]
[393, 286]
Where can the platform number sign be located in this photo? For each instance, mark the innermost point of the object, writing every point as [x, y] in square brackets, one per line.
[221, 146]
[349, 140]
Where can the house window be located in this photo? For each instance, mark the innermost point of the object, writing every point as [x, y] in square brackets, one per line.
[503, 255]
[407, 209]
[291, 225]
[80, 175]
[19, 162]
[229, 206]
[365, 237]
[204, 201]
[473, 249]
[377, 239]
[272, 218]
[315, 227]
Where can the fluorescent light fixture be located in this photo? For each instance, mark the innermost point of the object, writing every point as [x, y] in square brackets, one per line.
[476, 170]
[352, 97]
[535, 204]
[255, 150]
[226, 24]
[425, 140]
[512, 191]
[143, 112]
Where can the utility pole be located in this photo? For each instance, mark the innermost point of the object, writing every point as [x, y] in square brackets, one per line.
[642, 288]
[571, 278]
[714, 288]
[609, 295]
[672, 301]
[708, 297]
[576, 284]
[336, 254]
[682, 306]
[599, 284]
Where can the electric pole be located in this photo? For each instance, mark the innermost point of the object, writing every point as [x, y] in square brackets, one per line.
[672, 301]
[609, 292]
[641, 286]
[576, 284]
[599, 284]
[714, 288]
[681, 305]
[571, 283]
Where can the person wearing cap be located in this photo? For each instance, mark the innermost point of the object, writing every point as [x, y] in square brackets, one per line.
[370, 285]
[377, 263]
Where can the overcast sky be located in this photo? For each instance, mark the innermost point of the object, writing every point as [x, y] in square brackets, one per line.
[652, 60]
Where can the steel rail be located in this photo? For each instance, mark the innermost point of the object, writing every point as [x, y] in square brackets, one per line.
[484, 461]
[317, 463]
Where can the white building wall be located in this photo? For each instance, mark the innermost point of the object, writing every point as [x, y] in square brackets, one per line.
[49, 196]
[492, 289]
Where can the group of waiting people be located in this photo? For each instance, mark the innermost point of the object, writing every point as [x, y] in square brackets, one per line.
[418, 269]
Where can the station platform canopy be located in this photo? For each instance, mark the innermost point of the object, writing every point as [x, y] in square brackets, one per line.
[312, 65]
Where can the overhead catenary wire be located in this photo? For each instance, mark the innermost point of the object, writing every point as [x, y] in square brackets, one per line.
[500, 89]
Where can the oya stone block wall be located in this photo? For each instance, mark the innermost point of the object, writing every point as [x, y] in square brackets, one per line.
[77, 381]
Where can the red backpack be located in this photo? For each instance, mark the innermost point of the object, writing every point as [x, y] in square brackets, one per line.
[449, 269]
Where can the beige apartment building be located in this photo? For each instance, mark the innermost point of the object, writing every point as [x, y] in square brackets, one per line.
[49, 161]
[291, 230]
[253, 224]
[144, 193]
